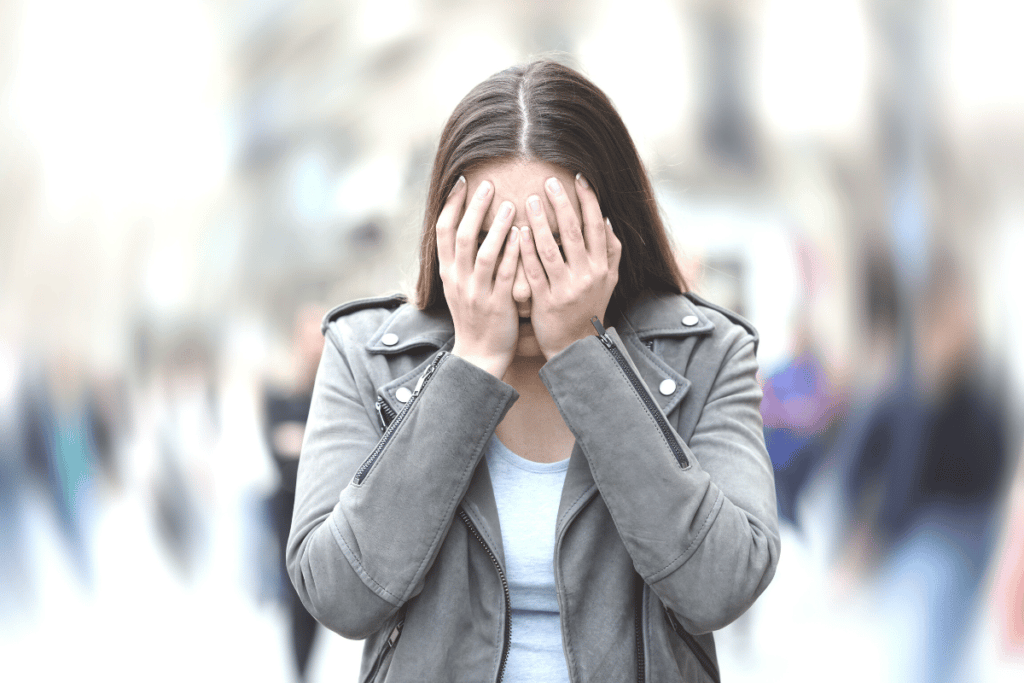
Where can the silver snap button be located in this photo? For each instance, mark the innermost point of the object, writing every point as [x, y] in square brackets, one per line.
[667, 387]
[690, 320]
[403, 394]
[389, 339]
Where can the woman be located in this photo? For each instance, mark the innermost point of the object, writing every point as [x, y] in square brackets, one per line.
[552, 467]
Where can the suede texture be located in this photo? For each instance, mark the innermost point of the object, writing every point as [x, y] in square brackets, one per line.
[395, 547]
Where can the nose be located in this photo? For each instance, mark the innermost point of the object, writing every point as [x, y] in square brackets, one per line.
[521, 286]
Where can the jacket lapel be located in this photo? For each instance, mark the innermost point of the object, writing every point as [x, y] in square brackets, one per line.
[409, 329]
[482, 509]
[671, 324]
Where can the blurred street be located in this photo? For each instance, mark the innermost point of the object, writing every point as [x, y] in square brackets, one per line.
[187, 187]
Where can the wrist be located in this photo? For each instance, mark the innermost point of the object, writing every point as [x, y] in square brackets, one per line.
[564, 343]
[490, 364]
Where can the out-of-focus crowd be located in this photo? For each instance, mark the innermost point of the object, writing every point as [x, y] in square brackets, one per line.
[186, 188]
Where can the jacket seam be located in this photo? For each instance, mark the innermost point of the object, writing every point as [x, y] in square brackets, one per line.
[334, 336]
[572, 505]
[358, 566]
[726, 359]
[453, 501]
[697, 540]
[740, 344]
[629, 384]
[650, 417]
[482, 529]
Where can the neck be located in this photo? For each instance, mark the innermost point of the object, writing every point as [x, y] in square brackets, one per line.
[523, 375]
[533, 427]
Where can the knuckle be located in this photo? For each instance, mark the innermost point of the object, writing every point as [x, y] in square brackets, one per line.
[550, 253]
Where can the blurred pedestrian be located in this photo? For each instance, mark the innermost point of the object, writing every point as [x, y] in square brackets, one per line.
[929, 470]
[285, 413]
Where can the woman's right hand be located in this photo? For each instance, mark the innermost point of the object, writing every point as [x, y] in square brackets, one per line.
[478, 284]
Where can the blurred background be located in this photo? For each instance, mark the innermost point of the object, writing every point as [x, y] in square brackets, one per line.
[186, 187]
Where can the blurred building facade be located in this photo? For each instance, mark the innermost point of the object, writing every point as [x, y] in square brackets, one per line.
[178, 179]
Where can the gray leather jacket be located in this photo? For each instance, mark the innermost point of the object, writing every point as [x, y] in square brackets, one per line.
[667, 526]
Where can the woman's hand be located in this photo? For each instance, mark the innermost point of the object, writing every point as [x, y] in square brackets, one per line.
[567, 293]
[478, 284]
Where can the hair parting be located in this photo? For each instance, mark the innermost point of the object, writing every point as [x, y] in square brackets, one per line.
[548, 112]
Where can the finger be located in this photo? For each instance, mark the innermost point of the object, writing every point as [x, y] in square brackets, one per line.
[614, 250]
[446, 223]
[544, 242]
[506, 273]
[593, 221]
[535, 274]
[469, 228]
[490, 250]
[569, 229]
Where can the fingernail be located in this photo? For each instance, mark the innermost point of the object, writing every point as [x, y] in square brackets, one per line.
[524, 232]
[458, 183]
[582, 181]
[506, 210]
[554, 186]
[608, 222]
[483, 190]
[534, 204]
[513, 234]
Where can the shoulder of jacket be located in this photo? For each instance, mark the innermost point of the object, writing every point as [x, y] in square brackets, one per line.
[729, 315]
[384, 303]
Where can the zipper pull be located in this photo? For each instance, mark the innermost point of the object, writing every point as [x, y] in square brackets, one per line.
[428, 373]
[397, 631]
[379, 405]
[602, 333]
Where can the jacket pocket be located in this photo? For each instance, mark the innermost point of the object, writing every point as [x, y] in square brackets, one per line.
[695, 647]
[383, 659]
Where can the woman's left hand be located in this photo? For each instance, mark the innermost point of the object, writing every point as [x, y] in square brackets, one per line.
[567, 293]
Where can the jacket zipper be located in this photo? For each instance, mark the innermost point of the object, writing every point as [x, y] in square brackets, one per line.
[391, 428]
[385, 412]
[642, 392]
[638, 624]
[699, 652]
[388, 646]
[504, 585]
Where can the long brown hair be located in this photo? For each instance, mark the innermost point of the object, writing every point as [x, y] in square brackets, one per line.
[549, 112]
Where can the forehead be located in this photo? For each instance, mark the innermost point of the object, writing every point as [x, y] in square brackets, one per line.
[517, 176]
[515, 180]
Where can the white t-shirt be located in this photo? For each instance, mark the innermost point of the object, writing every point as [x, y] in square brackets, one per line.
[527, 494]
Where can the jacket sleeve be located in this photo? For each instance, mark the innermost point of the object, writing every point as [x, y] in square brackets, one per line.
[359, 550]
[698, 518]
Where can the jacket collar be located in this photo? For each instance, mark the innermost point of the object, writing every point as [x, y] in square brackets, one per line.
[409, 327]
[656, 316]
[663, 321]
[667, 315]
